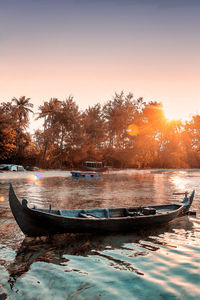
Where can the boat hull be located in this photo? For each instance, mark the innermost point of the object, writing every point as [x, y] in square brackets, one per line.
[84, 174]
[37, 223]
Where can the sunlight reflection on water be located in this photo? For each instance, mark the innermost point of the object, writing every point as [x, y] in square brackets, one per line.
[159, 264]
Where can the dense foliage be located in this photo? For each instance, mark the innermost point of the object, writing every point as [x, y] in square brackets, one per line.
[124, 132]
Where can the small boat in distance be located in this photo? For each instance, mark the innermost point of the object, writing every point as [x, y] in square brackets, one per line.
[41, 222]
[31, 168]
[86, 174]
[95, 166]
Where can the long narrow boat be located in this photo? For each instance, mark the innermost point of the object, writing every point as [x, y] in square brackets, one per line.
[39, 222]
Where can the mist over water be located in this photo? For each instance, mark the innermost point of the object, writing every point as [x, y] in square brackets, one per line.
[162, 263]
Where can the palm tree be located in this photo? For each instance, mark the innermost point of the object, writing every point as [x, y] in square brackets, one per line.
[7, 136]
[21, 109]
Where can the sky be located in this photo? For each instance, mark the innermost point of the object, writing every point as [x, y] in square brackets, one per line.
[91, 49]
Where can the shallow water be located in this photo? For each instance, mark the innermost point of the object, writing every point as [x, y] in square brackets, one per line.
[163, 263]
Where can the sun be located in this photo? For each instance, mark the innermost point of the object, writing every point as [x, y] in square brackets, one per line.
[175, 114]
[171, 116]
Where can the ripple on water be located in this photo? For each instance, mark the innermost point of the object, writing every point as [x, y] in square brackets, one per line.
[121, 273]
[6, 253]
[163, 264]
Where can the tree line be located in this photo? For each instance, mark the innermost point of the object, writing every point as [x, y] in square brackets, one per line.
[124, 132]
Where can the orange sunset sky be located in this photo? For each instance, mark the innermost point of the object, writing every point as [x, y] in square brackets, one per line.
[90, 49]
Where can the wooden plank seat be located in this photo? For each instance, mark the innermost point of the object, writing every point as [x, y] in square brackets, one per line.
[91, 214]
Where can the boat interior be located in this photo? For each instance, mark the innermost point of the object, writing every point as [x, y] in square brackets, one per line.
[112, 212]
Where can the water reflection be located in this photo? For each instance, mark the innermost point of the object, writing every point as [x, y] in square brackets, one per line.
[160, 260]
[57, 248]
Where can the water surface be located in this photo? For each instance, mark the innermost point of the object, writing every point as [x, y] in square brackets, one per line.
[163, 263]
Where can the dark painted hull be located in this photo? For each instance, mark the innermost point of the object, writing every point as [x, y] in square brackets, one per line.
[35, 222]
[84, 174]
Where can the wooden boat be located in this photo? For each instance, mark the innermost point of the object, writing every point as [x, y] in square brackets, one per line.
[39, 222]
[84, 174]
[96, 166]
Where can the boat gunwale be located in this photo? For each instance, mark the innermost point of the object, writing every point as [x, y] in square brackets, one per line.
[96, 218]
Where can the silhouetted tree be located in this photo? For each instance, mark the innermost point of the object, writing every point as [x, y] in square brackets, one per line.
[94, 132]
[124, 133]
[20, 110]
[191, 140]
[7, 136]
